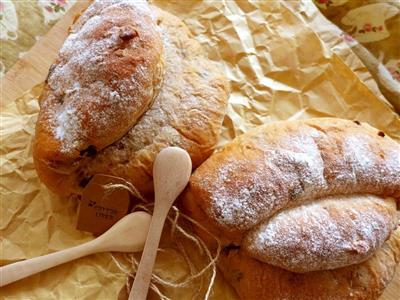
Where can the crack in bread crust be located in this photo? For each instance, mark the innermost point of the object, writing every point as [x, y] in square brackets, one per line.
[106, 74]
[364, 281]
[288, 163]
[289, 166]
[188, 113]
[327, 234]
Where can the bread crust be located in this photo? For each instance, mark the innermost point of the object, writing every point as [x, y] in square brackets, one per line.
[106, 75]
[187, 112]
[330, 233]
[287, 166]
[289, 163]
[253, 279]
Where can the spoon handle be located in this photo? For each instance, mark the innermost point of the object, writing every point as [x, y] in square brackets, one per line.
[16, 271]
[143, 275]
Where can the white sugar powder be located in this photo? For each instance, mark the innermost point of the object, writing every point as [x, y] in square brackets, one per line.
[67, 129]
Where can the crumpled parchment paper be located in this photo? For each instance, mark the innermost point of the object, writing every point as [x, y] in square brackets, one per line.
[283, 59]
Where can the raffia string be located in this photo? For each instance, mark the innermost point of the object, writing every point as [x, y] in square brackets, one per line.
[129, 187]
[175, 220]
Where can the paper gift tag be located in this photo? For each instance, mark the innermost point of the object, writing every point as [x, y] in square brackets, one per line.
[104, 201]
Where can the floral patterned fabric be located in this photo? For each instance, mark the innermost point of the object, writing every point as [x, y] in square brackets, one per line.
[22, 23]
[373, 23]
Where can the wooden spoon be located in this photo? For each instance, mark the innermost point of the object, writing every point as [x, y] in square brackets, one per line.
[171, 172]
[127, 235]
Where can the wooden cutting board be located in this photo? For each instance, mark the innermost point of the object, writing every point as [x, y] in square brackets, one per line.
[32, 69]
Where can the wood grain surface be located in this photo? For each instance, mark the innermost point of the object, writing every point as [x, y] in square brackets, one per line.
[32, 69]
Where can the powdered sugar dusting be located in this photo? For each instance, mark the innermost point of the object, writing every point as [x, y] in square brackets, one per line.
[187, 113]
[67, 129]
[328, 234]
[359, 153]
[296, 169]
[87, 80]
[272, 190]
[236, 205]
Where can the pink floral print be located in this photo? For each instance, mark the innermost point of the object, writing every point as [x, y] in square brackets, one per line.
[348, 38]
[326, 2]
[56, 6]
[368, 27]
[395, 71]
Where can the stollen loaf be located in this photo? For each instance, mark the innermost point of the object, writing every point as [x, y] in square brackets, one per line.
[304, 209]
[129, 80]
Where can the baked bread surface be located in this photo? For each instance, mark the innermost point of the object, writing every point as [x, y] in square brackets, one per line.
[253, 279]
[323, 235]
[105, 77]
[304, 196]
[187, 112]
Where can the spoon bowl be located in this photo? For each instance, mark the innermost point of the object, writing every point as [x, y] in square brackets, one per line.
[171, 172]
[127, 235]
